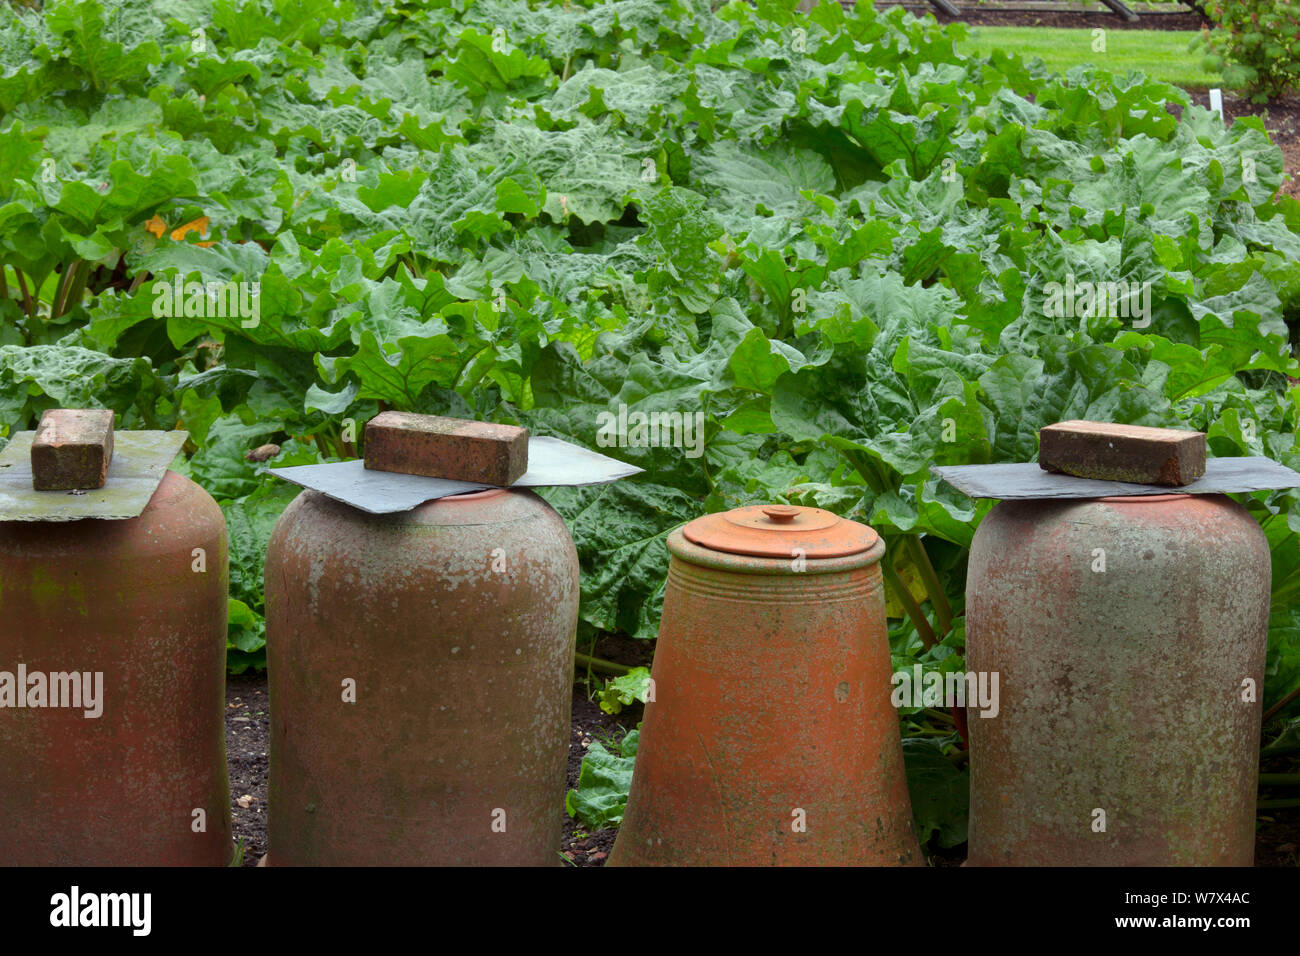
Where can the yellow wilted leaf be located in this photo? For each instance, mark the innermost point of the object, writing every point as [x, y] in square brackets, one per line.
[158, 227]
[911, 579]
[199, 225]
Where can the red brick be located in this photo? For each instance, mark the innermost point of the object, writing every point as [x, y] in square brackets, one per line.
[72, 449]
[1133, 453]
[446, 448]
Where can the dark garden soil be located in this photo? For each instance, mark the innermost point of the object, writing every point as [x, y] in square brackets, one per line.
[1066, 15]
[1277, 840]
[248, 741]
[1277, 832]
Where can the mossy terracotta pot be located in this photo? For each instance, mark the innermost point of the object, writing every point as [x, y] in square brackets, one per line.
[771, 739]
[1129, 637]
[134, 611]
[421, 670]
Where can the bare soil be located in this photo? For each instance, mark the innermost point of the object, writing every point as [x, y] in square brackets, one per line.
[248, 741]
[1014, 15]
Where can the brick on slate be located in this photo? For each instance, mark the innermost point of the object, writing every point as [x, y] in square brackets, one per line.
[72, 449]
[450, 448]
[1133, 453]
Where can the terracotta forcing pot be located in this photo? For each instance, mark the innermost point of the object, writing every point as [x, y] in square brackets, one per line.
[421, 669]
[143, 783]
[1127, 633]
[771, 739]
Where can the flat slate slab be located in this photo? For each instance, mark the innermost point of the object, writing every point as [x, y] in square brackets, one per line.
[1027, 480]
[140, 460]
[551, 462]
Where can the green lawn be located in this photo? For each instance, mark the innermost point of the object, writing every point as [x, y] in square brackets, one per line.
[1161, 54]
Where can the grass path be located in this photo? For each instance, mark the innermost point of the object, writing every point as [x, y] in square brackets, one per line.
[1161, 54]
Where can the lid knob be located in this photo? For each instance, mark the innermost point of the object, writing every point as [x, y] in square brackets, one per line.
[781, 514]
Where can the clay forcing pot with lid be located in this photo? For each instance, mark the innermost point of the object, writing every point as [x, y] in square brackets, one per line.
[1122, 630]
[770, 739]
[143, 783]
[421, 670]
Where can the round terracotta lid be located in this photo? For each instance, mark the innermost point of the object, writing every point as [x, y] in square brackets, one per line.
[775, 531]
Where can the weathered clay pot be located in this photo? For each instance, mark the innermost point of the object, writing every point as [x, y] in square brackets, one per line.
[452, 628]
[1121, 690]
[145, 782]
[771, 739]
